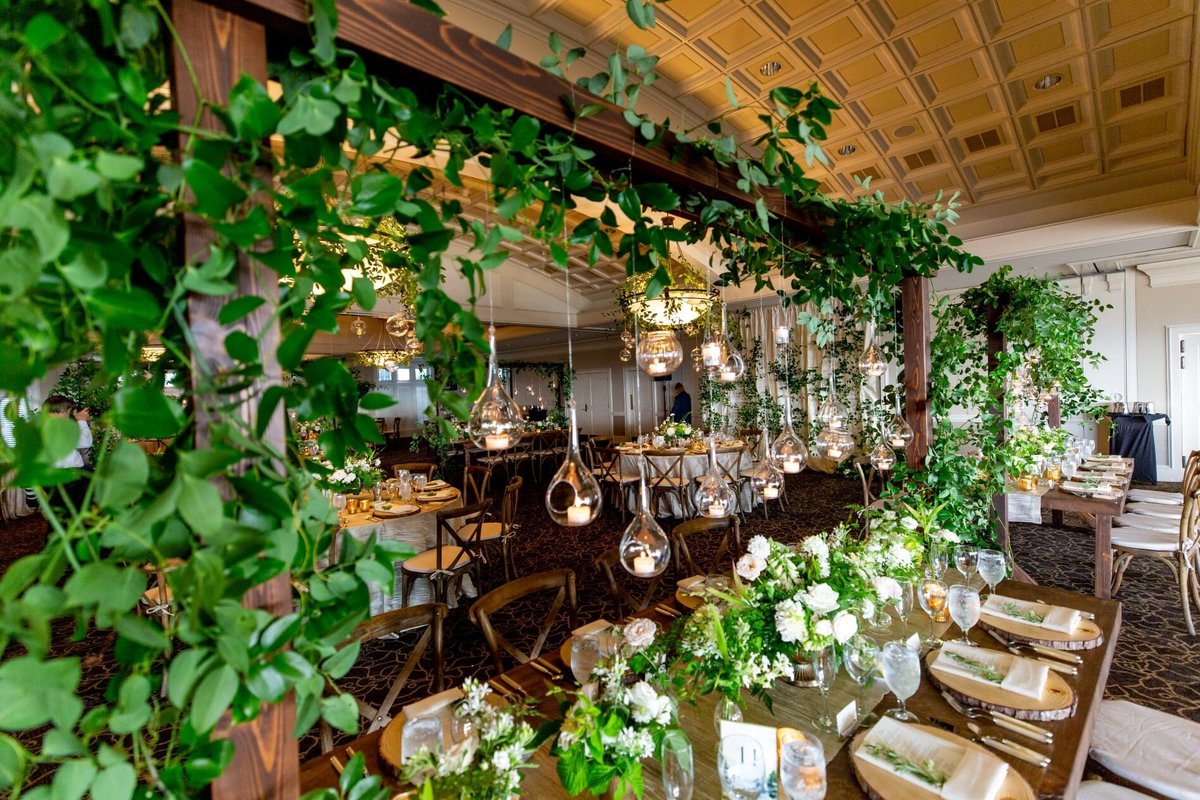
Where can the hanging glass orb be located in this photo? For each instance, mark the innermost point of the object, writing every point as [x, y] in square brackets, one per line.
[883, 458]
[713, 351]
[496, 421]
[831, 414]
[788, 450]
[659, 352]
[626, 355]
[733, 367]
[398, 324]
[900, 433]
[574, 498]
[627, 338]
[645, 550]
[766, 481]
[714, 496]
[696, 363]
[783, 334]
[871, 363]
[835, 443]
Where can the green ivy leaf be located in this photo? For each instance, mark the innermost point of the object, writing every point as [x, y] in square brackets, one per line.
[132, 711]
[186, 670]
[67, 180]
[118, 166]
[341, 712]
[504, 40]
[253, 113]
[41, 32]
[12, 761]
[311, 115]
[200, 505]
[138, 25]
[116, 782]
[213, 696]
[73, 778]
[239, 308]
[214, 193]
[144, 412]
[376, 193]
[36, 692]
[122, 476]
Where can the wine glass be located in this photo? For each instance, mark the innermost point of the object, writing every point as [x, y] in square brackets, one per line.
[1087, 447]
[904, 603]
[585, 651]
[964, 609]
[419, 480]
[742, 768]
[860, 656]
[824, 670]
[338, 501]
[966, 558]
[678, 773]
[902, 673]
[992, 568]
[939, 561]
[933, 600]
[802, 769]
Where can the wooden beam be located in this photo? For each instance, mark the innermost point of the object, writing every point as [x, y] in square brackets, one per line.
[915, 295]
[423, 44]
[221, 47]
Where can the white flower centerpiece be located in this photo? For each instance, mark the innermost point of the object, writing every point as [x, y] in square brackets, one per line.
[676, 432]
[357, 473]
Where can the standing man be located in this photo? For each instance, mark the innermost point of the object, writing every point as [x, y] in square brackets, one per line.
[682, 408]
[61, 406]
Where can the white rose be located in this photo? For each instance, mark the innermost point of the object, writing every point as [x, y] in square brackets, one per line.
[759, 546]
[845, 625]
[886, 588]
[910, 523]
[948, 535]
[821, 598]
[823, 628]
[750, 566]
[647, 705]
[640, 633]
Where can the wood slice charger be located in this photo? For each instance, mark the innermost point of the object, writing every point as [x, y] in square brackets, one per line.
[1087, 634]
[687, 600]
[389, 746]
[881, 784]
[1058, 700]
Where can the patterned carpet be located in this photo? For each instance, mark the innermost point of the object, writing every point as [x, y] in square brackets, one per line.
[1157, 663]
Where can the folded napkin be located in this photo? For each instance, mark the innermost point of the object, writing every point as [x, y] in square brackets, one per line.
[694, 582]
[970, 773]
[1054, 618]
[433, 704]
[1020, 675]
[592, 627]
[432, 486]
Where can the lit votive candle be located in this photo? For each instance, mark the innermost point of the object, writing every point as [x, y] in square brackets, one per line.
[496, 441]
[896, 442]
[579, 515]
[835, 452]
[643, 565]
[716, 509]
[770, 492]
[658, 367]
[791, 466]
[728, 376]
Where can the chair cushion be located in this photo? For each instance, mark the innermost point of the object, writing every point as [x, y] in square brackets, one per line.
[1099, 790]
[1147, 522]
[490, 530]
[1155, 750]
[1154, 510]
[1146, 539]
[427, 561]
[1155, 496]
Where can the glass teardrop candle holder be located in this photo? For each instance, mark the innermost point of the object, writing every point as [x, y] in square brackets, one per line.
[496, 421]
[574, 497]
[659, 353]
[733, 368]
[883, 458]
[645, 550]
[871, 363]
[831, 413]
[712, 351]
[900, 433]
[835, 443]
[766, 479]
[714, 497]
[788, 450]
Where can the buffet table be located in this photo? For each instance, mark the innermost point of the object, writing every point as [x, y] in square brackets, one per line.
[795, 707]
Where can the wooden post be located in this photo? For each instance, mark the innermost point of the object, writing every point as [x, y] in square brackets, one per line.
[221, 47]
[918, 331]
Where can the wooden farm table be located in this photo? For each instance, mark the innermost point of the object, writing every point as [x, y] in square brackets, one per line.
[1098, 513]
[794, 706]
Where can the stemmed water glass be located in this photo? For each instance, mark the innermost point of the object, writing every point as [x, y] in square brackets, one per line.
[933, 600]
[802, 769]
[741, 767]
[904, 603]
[939, 561]
[824, 670]
[585, 651]
[966, 558]
[964, 609]
[860, 656]
[902, 673]
[338, 501]
[678, 772]
[993, 568]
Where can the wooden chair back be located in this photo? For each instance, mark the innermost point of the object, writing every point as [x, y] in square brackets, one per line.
[664, 468]
[559, 581]
[752, 437]
[608, 461]
[418, 467]
[730, 529]
[627, 602]
[431, 617]
[510, 502]
[476, 482]
[465, 535]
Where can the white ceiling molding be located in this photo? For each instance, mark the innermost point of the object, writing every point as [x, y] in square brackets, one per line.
[1178, 272]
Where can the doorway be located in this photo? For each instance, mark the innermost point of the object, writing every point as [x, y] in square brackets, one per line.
[1183, 343]
[593, 401]
[637, 382]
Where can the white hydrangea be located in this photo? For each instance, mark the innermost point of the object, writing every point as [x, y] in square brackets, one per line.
[899, 556]
[909, 523]
[791, 621]
[635, 743]
[759, 546]
[815, 547]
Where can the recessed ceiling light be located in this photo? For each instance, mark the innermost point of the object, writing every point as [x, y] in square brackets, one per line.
[847, 150]
[770, 68]
[1048, 81]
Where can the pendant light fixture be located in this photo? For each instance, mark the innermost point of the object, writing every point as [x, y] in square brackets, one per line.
[574, 497]
[398, 324]
[714, 497]
[712, 349]
[835, 443]
[645, 550]
[883, 458]
[659, 352]
[496, 420]
[831, 413]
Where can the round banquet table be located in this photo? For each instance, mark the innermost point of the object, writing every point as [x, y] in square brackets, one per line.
[734, 460]
[417, 530]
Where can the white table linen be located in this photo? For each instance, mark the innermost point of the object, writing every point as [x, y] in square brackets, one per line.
[694, 465]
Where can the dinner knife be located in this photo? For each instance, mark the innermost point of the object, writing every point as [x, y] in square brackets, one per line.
[1021, 726]
[1047, 651]
[1025, 754]
[537, 665]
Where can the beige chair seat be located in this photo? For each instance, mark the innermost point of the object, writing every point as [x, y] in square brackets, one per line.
[1147, 522]
[619, 477]
[1150, 748]
[669, 480]
[427, 561]
[1099, 790]
[1146, 539]
[1154, 510]
[490, 530]
[1155, 496]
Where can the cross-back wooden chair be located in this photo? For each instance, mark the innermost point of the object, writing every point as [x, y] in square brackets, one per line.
[559, 581]
[608, 466]
[446, 563]
[502, 531]
[477, 481]
[430, 616]
[730, 530]
[873, 480]
[664, 476]
[627, 602]
[733, 476]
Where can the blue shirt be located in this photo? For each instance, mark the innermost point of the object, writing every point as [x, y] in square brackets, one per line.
[682, 409]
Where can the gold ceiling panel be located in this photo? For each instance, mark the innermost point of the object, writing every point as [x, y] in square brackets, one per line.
[585, 12]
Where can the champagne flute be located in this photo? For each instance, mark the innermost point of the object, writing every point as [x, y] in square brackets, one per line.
[933, 600]
[802, 769]
[741, 766]
[585, 651]
[939, 561]
[860, 656]
[993, 568]
[678, 772]
[904, 603]
[964, 609]
[902, 673]
[824, 670]
[966, 558]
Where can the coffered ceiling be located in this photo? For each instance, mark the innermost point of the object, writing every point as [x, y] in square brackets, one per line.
[937, 95]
